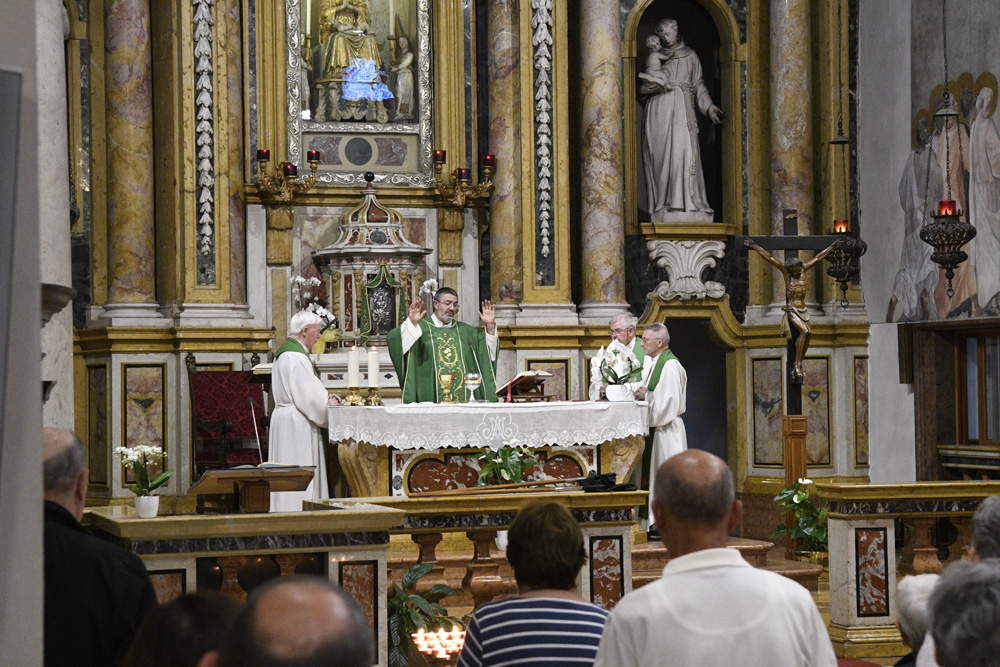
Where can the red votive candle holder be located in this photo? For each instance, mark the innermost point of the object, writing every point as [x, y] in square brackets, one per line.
[263, 155]
[947, 207]
[841, 226]
[290, 169]
[439, 156]
[464, 174]
[489, 160]
[312, 156]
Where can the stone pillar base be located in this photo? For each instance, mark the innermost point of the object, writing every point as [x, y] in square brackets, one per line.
[547, 313]
[206, 314]
[129, 315]
[855, 312]
[601, 313]
[507, 313]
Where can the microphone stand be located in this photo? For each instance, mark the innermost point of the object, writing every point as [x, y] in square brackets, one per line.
[253, 414]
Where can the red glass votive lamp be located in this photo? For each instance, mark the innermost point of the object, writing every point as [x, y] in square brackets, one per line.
[263, 155]
[312, 156]
[439, 156]
[464, 174]
[489, 160]
[947, 207]
[290, 169]
[841, 226]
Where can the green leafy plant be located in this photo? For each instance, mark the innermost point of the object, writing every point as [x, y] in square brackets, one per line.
[810, 526]
[505, 465]
[139, 459]
[409, 610]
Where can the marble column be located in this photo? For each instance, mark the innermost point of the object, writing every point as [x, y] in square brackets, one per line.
[237, 206]
[53, 212]
[791, 124]
[506, 279]
[602, 187]
[129, 117]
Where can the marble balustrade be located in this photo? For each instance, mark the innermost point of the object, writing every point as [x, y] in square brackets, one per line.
[864, 563]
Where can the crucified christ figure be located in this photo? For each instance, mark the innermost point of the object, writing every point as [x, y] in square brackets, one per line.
[796, 315]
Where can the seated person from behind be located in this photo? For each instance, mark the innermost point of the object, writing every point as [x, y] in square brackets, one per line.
[182, 632]
[913, 592]
[546, 623]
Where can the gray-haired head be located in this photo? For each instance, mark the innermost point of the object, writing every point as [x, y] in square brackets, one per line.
[986, 528]
[624, 320]
[658, 330]
[64, 457]
[912, 595]
[301, 320]
[965, 614]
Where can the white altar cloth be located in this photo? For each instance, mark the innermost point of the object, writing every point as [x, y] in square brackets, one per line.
[489, 425]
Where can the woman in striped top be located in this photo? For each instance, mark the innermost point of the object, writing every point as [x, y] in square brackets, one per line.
[547, 623]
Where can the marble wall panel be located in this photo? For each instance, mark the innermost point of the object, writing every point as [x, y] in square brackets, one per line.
[558, 385]
[168, 584]
[98, 424]
[360, 579]
[767, 382]
[872, 583]
[861, 411]
[606, 572]
[816, 407]
[144, 410]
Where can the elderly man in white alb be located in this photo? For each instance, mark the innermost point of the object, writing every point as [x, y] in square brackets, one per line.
[664, 386]
[622, 329]
[300, 402]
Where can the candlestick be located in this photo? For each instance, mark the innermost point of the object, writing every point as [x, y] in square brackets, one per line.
[312, 156]
[841, 226]
[373, 367]
[463, 174]
[263, 155]
[947, 207]
[440, 156]
[290, 169]
[353, 367]
[353, 397]
[489, 160]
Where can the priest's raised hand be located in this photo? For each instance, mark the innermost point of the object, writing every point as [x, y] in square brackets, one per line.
[417, 311]
[488, 314]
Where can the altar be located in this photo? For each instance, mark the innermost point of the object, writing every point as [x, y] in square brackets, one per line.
[399, 449]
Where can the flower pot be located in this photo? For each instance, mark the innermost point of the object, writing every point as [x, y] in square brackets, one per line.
[501, 540]
[147, 506]
[620, 392]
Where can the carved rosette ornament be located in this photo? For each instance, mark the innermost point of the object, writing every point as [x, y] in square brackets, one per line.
[685, 262]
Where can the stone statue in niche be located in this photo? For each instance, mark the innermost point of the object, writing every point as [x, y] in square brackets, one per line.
[404, 79]
[349, 83]
[380, 300]
[673, 88]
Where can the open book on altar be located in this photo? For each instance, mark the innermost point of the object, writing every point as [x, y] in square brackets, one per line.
[526, 385]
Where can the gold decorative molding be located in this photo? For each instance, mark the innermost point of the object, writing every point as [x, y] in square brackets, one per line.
[719, 231]
[866, 641]
[941, 491]
[161, 340]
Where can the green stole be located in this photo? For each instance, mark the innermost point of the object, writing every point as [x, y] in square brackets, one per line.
[637, 350]
[439, 351]
[647, 453]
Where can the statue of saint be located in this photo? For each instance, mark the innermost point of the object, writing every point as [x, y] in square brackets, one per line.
[796, 314]
[404, 79]
[671, 157]
[349, 56]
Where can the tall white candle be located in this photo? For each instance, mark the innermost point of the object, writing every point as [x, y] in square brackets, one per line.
[353, 367]
[392, 18]
[373, 367]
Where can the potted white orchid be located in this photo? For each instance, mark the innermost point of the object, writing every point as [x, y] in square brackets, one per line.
[140, 458]
[616, 366]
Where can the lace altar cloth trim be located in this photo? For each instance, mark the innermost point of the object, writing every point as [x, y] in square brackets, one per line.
[492, 425]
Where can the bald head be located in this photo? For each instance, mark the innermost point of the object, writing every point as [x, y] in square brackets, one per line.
[64, 460]
[695, 504]
[302, 621]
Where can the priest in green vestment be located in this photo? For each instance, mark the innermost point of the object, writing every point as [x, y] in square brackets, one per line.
[622, 329]
[433, 355]
[664, 387]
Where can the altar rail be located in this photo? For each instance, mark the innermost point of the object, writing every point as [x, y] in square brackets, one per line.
[867, 522]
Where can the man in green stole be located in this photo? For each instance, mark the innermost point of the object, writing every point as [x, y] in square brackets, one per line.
[622, 329]
[432, 356]
[664, 386]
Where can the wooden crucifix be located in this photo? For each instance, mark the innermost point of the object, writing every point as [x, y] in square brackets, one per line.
[794, 325]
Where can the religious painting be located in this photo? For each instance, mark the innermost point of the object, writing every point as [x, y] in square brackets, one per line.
[558, 385]
[860, 410]
[606, 571]
[816, 407]
[98, 422]
[362, 98]
[144, 412]
[871, 572]
[768, 385]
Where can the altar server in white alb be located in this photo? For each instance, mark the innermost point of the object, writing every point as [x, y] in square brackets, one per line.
[300, 402]
[664, 385]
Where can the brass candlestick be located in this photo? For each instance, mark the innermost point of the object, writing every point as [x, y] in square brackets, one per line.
[282, 183]
[353, 397]
[373, 398]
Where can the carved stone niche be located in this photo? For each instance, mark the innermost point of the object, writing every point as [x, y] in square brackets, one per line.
[372, 271]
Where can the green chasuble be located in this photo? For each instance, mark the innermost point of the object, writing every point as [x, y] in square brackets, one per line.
[637, 350]
[441, 351]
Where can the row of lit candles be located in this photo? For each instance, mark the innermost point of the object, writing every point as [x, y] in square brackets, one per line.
[464, 173]
[289, 169]
[945, 207]
[354, 367]
[440, 644]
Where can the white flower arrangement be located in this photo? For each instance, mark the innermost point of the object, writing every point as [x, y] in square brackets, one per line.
[305, 296]
[139, 458]
[615, 364]
[429, 285]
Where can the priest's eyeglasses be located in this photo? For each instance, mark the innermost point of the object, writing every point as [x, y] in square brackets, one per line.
[615, 332]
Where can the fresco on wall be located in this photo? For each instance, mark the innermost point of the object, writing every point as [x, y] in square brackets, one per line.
[952, 157]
